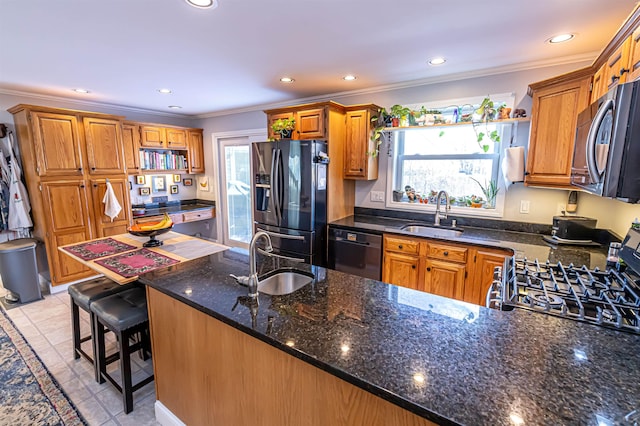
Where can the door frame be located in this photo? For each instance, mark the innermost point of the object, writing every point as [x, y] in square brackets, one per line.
[253, 135]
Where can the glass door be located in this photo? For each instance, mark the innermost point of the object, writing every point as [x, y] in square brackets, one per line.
[234, 153]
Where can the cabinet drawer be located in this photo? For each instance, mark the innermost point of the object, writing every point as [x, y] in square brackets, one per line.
[446, 252]
[148, 219]
[401, 245]
[197, 215]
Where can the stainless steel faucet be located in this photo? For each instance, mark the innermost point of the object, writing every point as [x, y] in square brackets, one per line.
[252, 283]
[440, 215]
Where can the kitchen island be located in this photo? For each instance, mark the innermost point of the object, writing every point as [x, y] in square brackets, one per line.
[350, 350]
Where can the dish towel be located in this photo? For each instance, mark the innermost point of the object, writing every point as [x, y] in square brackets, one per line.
[513, 165]
[111, 205]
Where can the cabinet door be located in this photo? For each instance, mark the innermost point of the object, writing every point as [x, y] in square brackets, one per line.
[599, 86]
[358, 162]
[67, 212]
[131, 143]
[152, 137]
[271, 118]
[57, 144]
[444, 279]
[553, 127]
[401, 269]
[617, 66]
[176, 138]
[104, 145]
[310, 124]
[103, 224]
[196, 152]
[634, 56]
[486, 260]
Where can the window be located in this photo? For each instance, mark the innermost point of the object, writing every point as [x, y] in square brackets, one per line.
[458, 157]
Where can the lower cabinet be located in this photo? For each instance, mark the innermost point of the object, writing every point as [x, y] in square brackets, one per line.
[458, 271]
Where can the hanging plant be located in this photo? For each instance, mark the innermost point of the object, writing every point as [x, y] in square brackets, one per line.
[284, 127]
[487, 112]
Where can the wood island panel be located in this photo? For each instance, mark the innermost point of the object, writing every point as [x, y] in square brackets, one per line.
[207, 372]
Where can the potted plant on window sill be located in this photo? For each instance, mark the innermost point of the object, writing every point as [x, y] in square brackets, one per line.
[284, 127]
[490, 191]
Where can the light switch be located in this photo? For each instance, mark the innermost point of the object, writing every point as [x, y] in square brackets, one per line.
[377, 196]
[524, 206]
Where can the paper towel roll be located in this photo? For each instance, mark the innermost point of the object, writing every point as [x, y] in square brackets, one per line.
[513, 165]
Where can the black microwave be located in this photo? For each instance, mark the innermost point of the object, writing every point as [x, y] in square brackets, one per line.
[606, 156]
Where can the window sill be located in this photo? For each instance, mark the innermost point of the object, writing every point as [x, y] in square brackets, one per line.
[455, 210]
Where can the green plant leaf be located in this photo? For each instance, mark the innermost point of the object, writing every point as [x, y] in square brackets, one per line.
[480, 137]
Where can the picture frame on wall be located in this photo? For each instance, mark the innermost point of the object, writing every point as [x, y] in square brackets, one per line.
[140, 180]
[173, 189]
[145, 190]
[187, 181]
[177, 178]
[158, 184]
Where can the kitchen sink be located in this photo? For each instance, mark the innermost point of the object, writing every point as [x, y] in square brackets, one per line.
[284, 281]
[432, 231]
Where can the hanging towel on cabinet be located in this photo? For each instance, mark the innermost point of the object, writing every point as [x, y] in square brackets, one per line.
[111, 205]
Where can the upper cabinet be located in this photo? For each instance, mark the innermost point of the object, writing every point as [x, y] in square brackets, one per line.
[617, 66]
[158, 136]
[196, 151]
[57, 143]
[359, 162]
[131, 147]
[310, 124]
[103, 139]
[176, 138]
[634, 56]
[556, 104]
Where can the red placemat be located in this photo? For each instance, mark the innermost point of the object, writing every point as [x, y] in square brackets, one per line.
[100, 248]
[136, 262]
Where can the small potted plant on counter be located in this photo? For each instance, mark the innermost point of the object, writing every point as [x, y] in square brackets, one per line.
[284, 127]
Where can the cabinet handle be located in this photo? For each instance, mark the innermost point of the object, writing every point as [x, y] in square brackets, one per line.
[413, 266]
[95, 185]
[82, 186]
[614, 78]
[360, 169]
[400, 246]
[429, 269]
[93, 168]
[446, 253]
[624, 70]
[79, 169]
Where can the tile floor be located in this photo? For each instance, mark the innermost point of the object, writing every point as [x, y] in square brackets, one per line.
[46, 324]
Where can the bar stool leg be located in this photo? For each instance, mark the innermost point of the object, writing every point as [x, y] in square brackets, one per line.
[75, 326]
[101, 361]
[125, 371]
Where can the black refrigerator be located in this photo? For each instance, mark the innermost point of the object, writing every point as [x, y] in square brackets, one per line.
[290, 196]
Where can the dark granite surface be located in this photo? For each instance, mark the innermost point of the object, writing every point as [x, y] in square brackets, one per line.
[524, 244]
[155, 209]
[448, 361]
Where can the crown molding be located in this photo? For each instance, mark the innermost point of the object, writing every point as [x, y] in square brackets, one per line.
[582, 59]
[116, 107]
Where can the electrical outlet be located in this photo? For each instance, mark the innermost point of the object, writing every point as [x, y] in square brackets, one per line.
[524, 206]
[377, 196]
[561, 209]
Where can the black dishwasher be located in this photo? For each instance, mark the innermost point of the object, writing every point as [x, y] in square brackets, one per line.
[357, 253]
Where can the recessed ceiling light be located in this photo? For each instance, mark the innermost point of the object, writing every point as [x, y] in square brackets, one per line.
[437, 61]
[561, 38]
[164, 91]
[81, 90]
[175, 107]
[287, 80]
[349, 77]
[203, 4]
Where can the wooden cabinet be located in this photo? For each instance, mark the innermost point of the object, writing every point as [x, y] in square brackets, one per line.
[131, 146]
[556, 104]
[65, 153]
[634, 56]
[324, 120]
[598, 85]
[272, 117]
[310, 124]
[359, 163]
[152, 136]
[617, 66]
[57, 142]
[67, 215]
[103, 139]
[485, 260]
[176, 138]
[454, 270]
[103, 223]
[196, 151]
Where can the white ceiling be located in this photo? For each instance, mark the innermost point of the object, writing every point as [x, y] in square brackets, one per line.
[231, 58]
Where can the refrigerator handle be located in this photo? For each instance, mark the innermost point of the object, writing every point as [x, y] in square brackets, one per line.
[278, 180]
[274, 185]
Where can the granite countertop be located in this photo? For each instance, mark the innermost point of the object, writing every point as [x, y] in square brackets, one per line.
[524, 244]
[155, 209]
[448, 361]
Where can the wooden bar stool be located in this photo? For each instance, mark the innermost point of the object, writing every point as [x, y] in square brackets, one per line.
[82, 296]
[125, 314]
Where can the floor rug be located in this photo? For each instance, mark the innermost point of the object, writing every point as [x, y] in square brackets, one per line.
[29, 395]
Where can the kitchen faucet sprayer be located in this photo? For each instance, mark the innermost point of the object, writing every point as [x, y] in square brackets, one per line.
[253, 274]
[440, 215]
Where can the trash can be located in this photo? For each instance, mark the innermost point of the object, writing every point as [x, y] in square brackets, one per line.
[19, 270]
